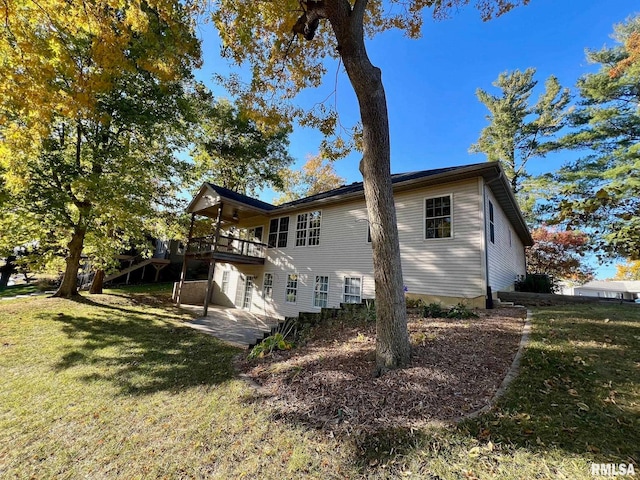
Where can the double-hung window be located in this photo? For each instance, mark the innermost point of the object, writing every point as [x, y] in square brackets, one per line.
[278, 232]
[492, 227]
[438, 218]
[308, 229]
[352, 290]
[321, 291]
[292, 288]
[225, 282]
[267, 286]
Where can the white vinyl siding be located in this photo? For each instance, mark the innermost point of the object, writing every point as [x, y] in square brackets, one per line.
[505, 254]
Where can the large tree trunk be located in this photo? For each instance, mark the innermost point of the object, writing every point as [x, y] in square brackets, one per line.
[8, 269]
[98, 282]
[392, 339]
[69, 286]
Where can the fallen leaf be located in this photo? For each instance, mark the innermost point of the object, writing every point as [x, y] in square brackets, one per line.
[582, 406]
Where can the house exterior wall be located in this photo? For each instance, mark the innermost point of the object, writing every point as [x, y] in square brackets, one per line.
[505, 255]
[445, 269]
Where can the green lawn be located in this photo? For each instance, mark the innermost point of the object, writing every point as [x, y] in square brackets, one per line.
[114, 387]
[14, 290]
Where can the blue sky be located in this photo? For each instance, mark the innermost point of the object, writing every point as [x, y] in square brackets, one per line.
[430, 83]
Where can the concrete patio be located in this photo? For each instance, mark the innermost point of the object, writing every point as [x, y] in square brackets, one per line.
[232, 325]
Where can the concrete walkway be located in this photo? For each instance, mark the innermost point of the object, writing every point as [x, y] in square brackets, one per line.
[233, 325]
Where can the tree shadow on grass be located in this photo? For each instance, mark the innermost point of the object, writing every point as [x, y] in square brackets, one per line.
[141, 352]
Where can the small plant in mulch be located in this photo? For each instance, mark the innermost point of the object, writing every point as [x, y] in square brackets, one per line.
[460, 311]
[270, 344]
[433, 310]
[277, 341]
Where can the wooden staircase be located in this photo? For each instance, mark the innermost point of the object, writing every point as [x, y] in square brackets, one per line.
[157, 263]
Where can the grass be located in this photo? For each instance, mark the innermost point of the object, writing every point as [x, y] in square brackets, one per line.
[14, 290]
[113, 386]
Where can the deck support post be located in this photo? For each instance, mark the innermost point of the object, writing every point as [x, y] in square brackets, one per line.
[183, 272]
[212, 262]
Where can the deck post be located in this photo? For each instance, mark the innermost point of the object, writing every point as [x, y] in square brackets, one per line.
[212, 262]
[183, 272]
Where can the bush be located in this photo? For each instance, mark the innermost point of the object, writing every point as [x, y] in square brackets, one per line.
[433, 310]
[414, 302]
[269, 344]
[535, 283]
[460, 311]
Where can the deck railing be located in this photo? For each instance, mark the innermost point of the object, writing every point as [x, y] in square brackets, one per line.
[226, 244]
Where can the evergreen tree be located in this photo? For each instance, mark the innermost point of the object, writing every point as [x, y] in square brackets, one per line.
[602, 188]
[519, 131]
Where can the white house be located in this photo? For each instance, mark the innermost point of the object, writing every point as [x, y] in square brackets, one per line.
[622, 289]
[461, 235]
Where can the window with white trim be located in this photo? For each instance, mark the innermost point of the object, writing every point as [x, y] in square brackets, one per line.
[492, 227]
[225, 281]
[438, 218]
[267, 286]
[291, 292]
[278, 232]
[321, 291]
[308, 229]
[352, 290]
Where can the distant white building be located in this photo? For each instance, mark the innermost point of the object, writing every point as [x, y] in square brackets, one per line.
[624, 289]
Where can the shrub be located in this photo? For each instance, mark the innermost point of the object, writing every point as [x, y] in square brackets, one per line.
[433, 310]
[460, 311]
[269, 344]
[535, 283]
[414, 302]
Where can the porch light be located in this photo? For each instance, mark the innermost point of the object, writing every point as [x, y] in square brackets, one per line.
[235, 215]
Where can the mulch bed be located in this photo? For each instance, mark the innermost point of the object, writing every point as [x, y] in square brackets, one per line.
[456, 368]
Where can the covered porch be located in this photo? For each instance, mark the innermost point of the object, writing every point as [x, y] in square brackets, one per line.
[234, 236]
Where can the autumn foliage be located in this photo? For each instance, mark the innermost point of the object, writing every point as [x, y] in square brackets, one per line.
[559, 254]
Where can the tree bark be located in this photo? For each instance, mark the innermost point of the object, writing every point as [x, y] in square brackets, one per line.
[8, 269]
[69, 286]
[97, 283]
[392, 339]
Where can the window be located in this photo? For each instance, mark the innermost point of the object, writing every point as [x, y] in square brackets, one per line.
[248, 292]
[225, 282]
[492, 229]
[278, 232]
[510, 240]
[308, 229]
[267, 286]
[292, 288]
[321, 291]
[438, 217]
[352, 290]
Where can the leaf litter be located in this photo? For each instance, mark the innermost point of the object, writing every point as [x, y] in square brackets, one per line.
[456, 368]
